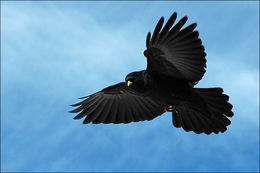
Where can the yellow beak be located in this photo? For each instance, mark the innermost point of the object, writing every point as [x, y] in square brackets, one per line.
[129, 83]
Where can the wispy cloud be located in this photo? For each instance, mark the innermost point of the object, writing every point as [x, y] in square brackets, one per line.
[53, 52]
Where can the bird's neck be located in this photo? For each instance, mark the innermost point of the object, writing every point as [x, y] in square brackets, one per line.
[148, 79]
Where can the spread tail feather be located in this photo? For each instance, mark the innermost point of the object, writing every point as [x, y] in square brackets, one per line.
[205, 112]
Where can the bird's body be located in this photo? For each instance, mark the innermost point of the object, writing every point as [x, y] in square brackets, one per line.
[175, 63]
[166, 89]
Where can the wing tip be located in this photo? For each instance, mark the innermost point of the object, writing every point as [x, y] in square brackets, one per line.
[184, 19]
[76, 104]
[76, 110]
[76, 118]
[84, 97]
[161, 20]
[148, 39]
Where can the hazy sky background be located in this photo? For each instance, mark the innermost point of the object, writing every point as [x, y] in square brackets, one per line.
[55, 52]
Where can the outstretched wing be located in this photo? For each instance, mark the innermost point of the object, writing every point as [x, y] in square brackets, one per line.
[117, 104]
[175, 52]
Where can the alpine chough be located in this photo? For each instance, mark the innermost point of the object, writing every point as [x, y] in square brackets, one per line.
[175, 63]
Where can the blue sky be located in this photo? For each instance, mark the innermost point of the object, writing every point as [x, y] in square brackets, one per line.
[55, 52]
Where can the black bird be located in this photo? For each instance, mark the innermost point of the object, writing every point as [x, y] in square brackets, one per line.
[175, 63]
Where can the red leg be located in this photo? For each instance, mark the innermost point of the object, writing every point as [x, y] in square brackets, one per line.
[165, 109]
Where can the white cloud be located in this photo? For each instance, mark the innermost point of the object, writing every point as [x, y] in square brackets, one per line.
[52, 55]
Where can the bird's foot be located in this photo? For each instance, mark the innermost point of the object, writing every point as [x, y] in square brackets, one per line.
[168, 108]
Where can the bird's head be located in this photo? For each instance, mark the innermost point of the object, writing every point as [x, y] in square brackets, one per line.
[134, 78]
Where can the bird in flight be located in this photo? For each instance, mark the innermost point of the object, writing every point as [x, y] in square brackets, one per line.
[175, 63]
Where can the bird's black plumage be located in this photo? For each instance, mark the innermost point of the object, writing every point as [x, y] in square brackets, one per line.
[175, 63]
